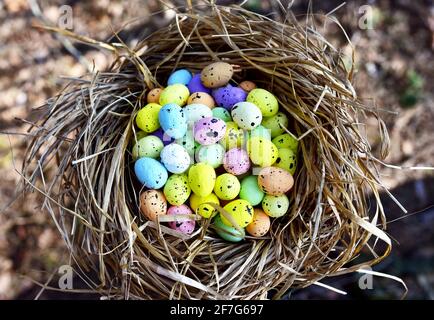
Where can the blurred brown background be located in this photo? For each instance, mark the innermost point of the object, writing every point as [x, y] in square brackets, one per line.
[394, 42]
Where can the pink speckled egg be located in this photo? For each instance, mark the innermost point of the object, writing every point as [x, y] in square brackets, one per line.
[184, 226]
[209, 130]
[236, 161]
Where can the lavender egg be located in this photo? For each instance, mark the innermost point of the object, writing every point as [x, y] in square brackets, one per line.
[182, 225]
[195, 85]
[209, 130]
[227, 96]
[236, 161]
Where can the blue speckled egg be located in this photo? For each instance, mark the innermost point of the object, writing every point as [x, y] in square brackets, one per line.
[181, 76]
[151, 173]
[196, 85]
[227, 96]
[173, 120]
[175, 158]
[196, 111]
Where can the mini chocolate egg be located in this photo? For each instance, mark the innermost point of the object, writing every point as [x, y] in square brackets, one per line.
[209, 130]
[201, 178]
[202, 98]
[227, 186]
[151, 173]
[236, 161]
[241, 212]
[216, 74]
[276, 124]
[175, 93]
[221, 113]
[212, 154]
[195, 112]
[188, 143]
[147, 117]
[275, 206]
[195, 85]
[246, 115]
[153, 95]
[175, 158]
[200, 206]
[226, 97]
[226, 232]
[177, 189]
[173, 120]
[260, 132]
[286, 141]
[275, 181]
[260, 224]
[287, 160]
[247, 85]
[162, 136]
[265, 101]
[262, 152]
[153, 204]
[182, 225]
[149, 146]
[181, 76]
[250, 190]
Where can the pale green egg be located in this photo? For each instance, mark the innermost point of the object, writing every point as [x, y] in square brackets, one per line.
[221, 113]
[177, 189]
[276, 124]
[188, 143]
[261, 132]
[264, 100]
[226, 232]
[287, 160]
[250, 190]
[275, 206]
[212, 154]
[149, 146]
[286, 141]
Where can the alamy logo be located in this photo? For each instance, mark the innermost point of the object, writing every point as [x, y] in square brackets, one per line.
[66, 278]
[66, 20]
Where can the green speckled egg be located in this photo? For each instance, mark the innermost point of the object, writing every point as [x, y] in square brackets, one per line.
[198, 205]
[261, 132]
[138, 135]
[177, 189]
[175, 93]
[201, 178]
[276, 124]
[212, 154]
[221, 113]
[261, 151]
[226, 232]
[241, 211]
[187, 142]
[227, 186]
[287, 160]
[264, 100]
[147, 117]
[149, 146]
[250, 190]
[286, 141]
[275, 206]
[233, 138]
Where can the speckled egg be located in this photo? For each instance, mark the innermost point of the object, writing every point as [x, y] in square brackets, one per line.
[246, 115]
[176, 93]
[250, 190]
[234, 136]
[286, 141]
[221, 113]
[201, 178]
[202, 98]
[151, 173]
[265, 101]
[181, 224]
[226, 232]
[261, 151]
[227, 186]
[240, 210]
[153, 204]
[216, 74]
[236, 161]
[247, 85]
[209, 130]
[260, 224]
[195, 112]
[200, 206]
[175, 158]
[163, 136]
[188, 143]
[177, 189]
[275, 181]
[212, 154]
[147, 117]
[260, 132]
[149, 146]
[181, 76]
[276, 124]
[226, 97]
[173, 120]
[287, 160]
[136, 136]
[275, 206]
[153, 95]
[195, 85]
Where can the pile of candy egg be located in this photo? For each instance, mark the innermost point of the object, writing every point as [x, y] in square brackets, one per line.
[205, 140]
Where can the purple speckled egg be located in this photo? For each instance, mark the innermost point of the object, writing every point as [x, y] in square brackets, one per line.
[236, 161]
[163, 136]
[195, 85]
[227, 96]
[184, 226]
[209, 130]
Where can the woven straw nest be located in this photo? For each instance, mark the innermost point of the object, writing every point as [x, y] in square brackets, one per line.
[86, 134]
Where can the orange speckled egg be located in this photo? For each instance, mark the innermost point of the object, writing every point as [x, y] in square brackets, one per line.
[154, 95]
[260, 224]
[152, 204]
[202, 98]
[275, 181]
[247, 85]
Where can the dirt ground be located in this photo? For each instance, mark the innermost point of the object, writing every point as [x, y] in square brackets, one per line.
[395, 64]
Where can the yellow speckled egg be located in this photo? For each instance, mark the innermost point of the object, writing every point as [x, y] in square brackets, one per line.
[177, 189]
[201, 178]
[260, 224]
[202, 98]
[152, 204]
[147, 117]
[247, 85]
[275, 181]
[276, 124]
[227, 186]
[261, 151]
[286, 141]
[198, 205]
[216, 74]
[175, 93]
[287, 160]
[234, 136]
[264, 100]
[240, 210]
[275, 206]
[154, 95]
